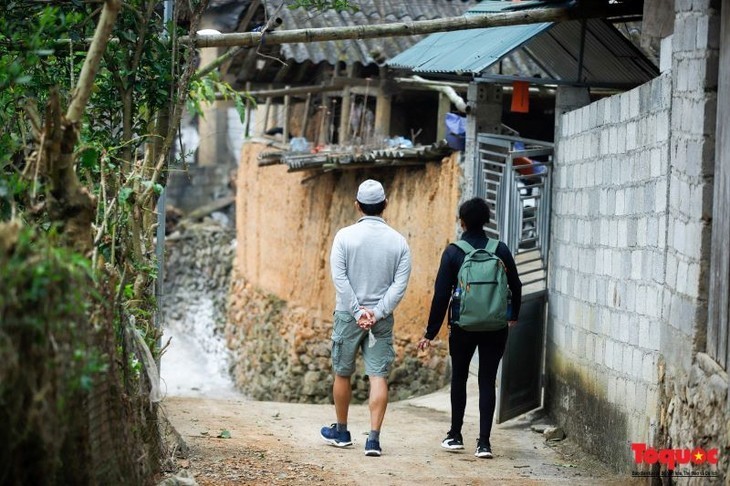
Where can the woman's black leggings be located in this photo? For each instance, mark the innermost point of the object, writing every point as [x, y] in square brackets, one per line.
[462, 345]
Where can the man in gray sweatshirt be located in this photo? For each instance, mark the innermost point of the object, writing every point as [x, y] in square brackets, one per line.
[371, 264]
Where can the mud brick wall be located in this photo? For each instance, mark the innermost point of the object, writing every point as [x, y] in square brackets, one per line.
[282, 296]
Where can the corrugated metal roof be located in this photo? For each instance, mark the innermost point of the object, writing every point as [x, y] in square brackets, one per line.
[609, 58]
[465, 51]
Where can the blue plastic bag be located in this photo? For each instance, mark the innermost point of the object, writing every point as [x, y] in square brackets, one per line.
[456, 131]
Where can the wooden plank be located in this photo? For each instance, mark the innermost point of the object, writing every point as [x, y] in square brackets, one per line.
[443, 108]
[718, 337]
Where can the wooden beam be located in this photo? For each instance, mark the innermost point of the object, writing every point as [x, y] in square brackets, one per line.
[396, 29]
[299, 90]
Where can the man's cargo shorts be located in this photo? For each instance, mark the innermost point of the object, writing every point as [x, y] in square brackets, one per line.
[347, 337]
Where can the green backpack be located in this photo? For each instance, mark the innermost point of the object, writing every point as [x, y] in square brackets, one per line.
[481, 292]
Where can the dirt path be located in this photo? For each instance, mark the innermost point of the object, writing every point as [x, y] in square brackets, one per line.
[279, 443]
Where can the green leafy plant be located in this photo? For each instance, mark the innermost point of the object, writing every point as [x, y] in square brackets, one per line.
[208, 89]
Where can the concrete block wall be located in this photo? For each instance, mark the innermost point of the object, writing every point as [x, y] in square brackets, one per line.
[630, 261]
[695, 61]
[695, 389]
[607, 275]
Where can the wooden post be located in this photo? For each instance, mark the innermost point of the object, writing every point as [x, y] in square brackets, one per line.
[382, 109]
[319, 135]
[444, 108]
[307, 106]
[287, 101]
[382, 114]
[344, 130]
[247, 128]
[267, 111]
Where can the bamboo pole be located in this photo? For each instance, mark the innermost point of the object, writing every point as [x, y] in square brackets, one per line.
[419, 27]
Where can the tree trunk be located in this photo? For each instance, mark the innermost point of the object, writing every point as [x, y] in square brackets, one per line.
[70, 204]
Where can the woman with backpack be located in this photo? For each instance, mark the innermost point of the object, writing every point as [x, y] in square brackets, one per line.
[478, 282]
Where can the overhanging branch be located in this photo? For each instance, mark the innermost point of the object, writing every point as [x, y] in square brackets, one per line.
[534, 16]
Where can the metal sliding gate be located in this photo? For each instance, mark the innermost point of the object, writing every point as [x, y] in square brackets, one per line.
[513, 175]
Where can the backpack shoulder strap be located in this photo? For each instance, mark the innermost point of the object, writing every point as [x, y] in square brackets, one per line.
[492, 245]
[463, 246]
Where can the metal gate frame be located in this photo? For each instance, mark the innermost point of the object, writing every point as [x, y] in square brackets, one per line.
[500, 183]
[520, 206]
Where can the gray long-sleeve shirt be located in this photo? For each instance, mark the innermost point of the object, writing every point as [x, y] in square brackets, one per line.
[371, 264]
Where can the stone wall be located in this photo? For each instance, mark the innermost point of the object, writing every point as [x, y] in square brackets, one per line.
[282, 295]
[198, 262]
[607, 269]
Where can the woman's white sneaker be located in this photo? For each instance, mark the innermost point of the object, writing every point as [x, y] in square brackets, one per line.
[453, 442]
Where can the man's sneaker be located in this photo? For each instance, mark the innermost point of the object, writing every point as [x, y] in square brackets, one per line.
[483, 450]
[334, 437]
[453, 442]
[372, 448]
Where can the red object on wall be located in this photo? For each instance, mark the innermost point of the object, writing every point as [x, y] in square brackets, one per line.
[525, 164]
[520, 96]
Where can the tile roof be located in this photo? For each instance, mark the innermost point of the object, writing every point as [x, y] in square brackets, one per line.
[364, 52]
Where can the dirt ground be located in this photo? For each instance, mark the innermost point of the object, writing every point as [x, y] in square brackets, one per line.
[279, 443]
